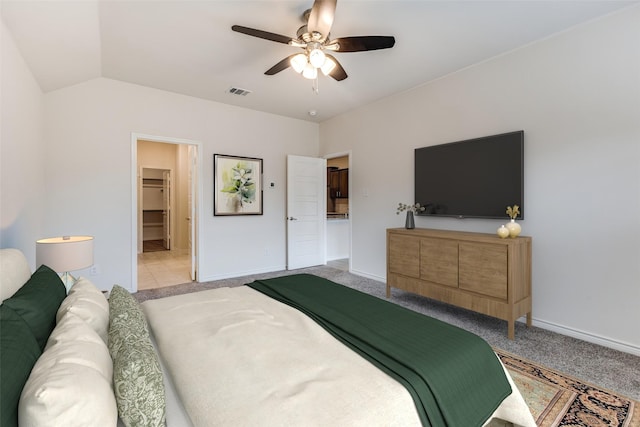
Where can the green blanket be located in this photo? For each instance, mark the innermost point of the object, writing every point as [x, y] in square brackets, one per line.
[454, 376]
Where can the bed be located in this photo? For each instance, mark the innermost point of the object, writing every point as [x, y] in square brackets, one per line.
[269, 353]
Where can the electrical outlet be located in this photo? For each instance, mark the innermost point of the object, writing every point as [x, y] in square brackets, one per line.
[94, 270]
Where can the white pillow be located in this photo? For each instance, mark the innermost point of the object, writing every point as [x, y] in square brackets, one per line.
[14, 272]
[70, 384]
[89, 304]
[74, 341]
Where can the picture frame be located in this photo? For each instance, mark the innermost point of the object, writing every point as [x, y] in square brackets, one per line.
[237, 185]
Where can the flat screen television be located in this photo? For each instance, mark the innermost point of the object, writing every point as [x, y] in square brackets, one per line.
[475, 178]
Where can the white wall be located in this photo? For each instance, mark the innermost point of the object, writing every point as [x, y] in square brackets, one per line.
[88, 129]
[22, 156]
[577, 97]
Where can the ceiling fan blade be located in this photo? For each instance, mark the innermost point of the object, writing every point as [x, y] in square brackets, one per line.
[282, 65]
[362, 43]
[338, 72]
[321, 17]
[261, 34]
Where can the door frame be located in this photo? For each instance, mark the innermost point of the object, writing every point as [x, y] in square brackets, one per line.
[349, 154]
[197, 199]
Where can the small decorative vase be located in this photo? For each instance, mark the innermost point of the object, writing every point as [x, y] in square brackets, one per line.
[503, 232]
[409, 223]
[514, 228]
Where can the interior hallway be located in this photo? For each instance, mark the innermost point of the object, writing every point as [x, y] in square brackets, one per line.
[163, 268]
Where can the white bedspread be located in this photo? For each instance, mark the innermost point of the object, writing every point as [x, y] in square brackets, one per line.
[239, 358]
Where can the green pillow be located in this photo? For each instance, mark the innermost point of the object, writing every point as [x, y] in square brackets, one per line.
[19, 351]
[37, 302]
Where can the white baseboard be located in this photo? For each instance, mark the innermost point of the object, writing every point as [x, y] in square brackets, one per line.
[369, 276]
[586, 336]
[242, 273]
[554, 327]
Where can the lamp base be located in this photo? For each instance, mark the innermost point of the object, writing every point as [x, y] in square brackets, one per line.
[68, 280]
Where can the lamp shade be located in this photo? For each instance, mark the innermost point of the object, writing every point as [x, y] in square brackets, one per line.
[317, 58]
[298, 62]
[64, 254]
[309, 72]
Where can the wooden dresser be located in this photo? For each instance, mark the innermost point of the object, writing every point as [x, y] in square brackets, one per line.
[476, 271]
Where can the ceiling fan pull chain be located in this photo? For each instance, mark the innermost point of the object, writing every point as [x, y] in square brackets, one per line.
[315, 85]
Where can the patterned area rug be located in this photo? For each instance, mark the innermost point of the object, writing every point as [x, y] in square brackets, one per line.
[558, 400]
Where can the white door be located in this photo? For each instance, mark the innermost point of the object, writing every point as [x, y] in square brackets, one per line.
[166, 209]
[306, 211]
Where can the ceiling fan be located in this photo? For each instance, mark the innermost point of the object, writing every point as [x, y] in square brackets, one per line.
[313, 38]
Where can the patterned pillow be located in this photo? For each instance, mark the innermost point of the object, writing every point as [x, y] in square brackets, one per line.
[126, 320]
[137, 375]
[139, 386]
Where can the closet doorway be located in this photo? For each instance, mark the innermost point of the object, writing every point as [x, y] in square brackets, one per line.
[166, 212]
[156, 209]
[339, 211]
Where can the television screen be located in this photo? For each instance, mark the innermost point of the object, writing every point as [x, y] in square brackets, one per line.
[475, 178]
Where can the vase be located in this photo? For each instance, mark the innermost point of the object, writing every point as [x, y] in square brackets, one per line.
[409, 223]
[503, 232]
[514, 228]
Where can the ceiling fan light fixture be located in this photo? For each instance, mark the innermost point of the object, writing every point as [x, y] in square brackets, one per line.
[317, 58]
[310, 72]
[328, 66]
[314, 37]
[298, 62]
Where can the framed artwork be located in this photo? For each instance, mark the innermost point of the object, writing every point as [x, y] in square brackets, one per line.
[237, 185]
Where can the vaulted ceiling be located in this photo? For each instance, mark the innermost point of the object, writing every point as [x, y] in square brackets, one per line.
[188, 47]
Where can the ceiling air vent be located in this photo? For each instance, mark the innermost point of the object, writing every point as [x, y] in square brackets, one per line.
[239, 91]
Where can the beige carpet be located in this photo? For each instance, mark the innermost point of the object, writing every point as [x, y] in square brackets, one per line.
[556, 399]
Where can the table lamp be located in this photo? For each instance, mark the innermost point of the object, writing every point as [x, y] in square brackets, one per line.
[65, 254]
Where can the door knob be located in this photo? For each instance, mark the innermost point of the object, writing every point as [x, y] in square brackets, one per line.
[292, 218]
